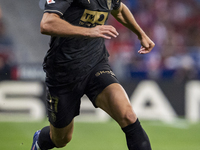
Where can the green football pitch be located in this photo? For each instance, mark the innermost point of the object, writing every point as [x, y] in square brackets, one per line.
[105, 136]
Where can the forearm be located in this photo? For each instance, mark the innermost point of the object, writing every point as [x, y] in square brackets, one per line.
[125, 17]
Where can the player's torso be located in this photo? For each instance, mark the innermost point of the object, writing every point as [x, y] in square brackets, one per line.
[71, 58]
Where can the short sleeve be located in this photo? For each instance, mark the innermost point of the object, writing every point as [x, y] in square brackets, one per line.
[116, 4]
[57, 6]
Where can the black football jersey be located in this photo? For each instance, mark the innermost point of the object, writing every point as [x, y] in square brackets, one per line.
[69, 59]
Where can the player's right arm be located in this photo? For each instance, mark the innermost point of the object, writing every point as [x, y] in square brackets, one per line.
[52, 24]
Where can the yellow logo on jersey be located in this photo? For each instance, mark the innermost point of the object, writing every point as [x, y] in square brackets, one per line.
[93, 18]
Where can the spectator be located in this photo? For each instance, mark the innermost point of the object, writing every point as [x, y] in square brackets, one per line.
[6, 52]
[5, 70]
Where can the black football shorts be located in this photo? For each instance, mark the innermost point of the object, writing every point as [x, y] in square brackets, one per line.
[63, 103]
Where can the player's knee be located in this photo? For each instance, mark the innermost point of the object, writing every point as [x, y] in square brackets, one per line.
[128, 117]
[62, 141]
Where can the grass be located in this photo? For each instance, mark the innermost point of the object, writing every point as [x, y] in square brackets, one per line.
[103, 136]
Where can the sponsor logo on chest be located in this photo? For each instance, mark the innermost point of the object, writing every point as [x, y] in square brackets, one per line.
[92, 18]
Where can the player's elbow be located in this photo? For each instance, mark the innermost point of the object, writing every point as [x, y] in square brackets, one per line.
[44, 29]
[46, 25]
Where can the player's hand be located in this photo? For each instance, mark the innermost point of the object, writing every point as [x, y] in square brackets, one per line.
[104, 31]
[147, 45]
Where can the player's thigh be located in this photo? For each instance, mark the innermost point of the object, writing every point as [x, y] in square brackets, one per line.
[114, 100]
[61, 136]
[63, 105]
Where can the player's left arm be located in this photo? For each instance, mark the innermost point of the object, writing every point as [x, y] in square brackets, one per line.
[125, 17]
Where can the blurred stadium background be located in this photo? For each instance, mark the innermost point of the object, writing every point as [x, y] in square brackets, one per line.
[163, 86]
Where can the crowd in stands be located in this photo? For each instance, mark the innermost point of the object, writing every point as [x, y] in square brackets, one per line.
[7, 69]
[174, 26]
